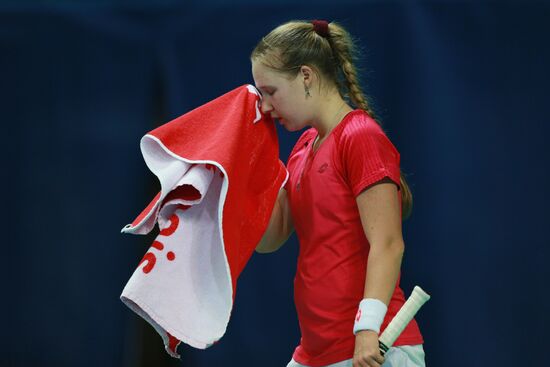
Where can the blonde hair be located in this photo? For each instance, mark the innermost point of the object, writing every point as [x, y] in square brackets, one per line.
[293, 44]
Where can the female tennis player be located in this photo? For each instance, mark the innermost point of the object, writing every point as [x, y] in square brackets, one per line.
[345, 197]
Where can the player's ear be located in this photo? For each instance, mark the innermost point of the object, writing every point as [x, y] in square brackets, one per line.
[307, 74]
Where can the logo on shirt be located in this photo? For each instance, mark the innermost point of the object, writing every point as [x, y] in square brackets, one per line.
[323, 168]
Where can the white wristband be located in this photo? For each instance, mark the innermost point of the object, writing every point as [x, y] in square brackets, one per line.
[370, 315]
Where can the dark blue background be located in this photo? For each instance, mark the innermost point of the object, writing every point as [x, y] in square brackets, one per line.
[461, 88]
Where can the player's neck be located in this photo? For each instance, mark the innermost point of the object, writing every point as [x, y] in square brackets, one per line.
[330, 118]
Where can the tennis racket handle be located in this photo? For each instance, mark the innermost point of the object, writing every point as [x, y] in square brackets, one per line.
[417, 298]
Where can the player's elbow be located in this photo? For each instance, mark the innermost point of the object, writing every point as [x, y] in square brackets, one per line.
[394, 248]
[398, 249]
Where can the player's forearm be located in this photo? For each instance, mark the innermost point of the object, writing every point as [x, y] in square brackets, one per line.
[272, 238]
[383, 269]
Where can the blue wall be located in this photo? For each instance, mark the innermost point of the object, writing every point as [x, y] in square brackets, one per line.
[460, 86]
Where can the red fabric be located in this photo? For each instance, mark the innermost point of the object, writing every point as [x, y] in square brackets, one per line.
[331, 270]
[251, 195]
[220, 174]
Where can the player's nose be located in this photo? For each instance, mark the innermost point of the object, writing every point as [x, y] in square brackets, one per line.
[266, 106]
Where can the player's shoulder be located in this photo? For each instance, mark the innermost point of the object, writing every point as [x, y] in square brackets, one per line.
[359, 123]
[360, 129]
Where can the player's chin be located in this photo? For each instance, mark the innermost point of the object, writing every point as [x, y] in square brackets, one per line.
[290, 127]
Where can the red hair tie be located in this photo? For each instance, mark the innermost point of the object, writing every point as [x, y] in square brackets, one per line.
[320, 27]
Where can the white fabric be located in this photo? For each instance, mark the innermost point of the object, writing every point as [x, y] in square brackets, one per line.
[188, 292]
[400, 356]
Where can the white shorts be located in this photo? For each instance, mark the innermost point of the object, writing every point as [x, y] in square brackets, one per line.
[401, 356]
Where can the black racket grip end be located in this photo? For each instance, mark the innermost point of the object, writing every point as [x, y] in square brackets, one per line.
[383, 348]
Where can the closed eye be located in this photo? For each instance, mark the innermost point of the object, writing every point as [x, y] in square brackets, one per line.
[270, 92]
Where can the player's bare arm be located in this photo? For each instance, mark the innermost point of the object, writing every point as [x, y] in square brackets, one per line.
[381, 219]
[280, 226]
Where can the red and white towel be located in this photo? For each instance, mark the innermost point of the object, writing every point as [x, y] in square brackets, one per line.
[220, 173]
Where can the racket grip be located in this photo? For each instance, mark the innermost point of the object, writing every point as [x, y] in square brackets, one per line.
[417, 298]
[383, 348]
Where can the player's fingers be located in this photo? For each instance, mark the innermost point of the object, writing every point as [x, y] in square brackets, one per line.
[371, 362]
[364, 362]
[379, 359]
[358, 362]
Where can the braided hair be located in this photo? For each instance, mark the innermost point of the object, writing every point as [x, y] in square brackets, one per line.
[331, 52]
